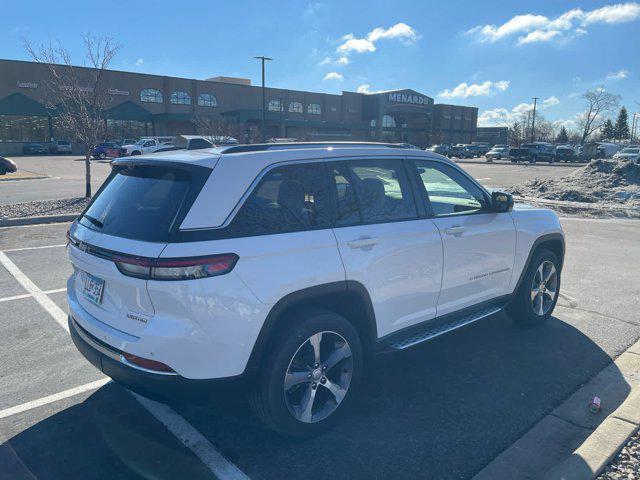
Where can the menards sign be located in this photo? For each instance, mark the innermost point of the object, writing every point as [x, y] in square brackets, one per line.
[410, 98]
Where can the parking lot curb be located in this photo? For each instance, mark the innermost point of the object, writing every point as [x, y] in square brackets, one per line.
[603, 444]
[15, 222]
[556, 448]
[17, 179]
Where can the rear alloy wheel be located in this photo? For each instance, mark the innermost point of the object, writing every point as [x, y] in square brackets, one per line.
[310, 375]
[539, 290]
[318, 377]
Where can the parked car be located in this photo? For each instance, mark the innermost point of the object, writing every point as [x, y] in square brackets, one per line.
[146, 145]
[439, 149]
[288, 266]
[60, 146]
[107, 150]
[460, 151]
[629, 153]
[497, 153]
[533, 152]
[192, 142]
[34, 148]
[482, 148]
[473, 151]
[607, 150]
[566, 153]
[7, 166]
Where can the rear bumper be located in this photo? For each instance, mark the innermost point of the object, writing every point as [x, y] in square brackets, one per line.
[159, 386]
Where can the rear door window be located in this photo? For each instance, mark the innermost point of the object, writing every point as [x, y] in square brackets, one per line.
[141, 202]
[372, 191]
[289, 198]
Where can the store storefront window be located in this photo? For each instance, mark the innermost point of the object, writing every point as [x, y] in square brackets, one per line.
[207, 100]
[275, 106]
[18, 128]
[151, 95]
[121, 129]
[180, 98]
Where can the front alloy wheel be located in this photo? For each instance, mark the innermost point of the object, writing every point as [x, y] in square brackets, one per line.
[544, 288]
[318, 377]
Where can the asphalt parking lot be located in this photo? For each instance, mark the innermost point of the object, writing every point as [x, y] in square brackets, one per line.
[443, 409]
[64, 176]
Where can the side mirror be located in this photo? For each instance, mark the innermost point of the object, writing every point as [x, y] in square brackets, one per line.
[501, 202]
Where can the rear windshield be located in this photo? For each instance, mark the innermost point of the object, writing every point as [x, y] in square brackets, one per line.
[140, 202]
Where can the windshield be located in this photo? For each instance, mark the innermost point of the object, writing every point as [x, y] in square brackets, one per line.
[141, 141]
[139, 203]
[631, 150]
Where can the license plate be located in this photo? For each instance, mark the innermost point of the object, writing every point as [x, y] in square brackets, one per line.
[92, 287]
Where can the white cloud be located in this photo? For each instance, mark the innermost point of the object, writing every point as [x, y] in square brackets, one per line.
[399, 30]
[539, 36]
[358, 45]
[342, 61]
[324, 61]
[550, 102]
[139, 62]
[464, 90]
[619, 75]
[352, 44]
[333, 76]
[611, 14]
[494, 117]
[532, 28]
[364, 88]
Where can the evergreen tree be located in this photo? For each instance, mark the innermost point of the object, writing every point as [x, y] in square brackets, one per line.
[563, 136]
[608, 131]
[622, 125]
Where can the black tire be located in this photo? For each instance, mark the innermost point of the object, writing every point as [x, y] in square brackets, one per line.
[533, 160]
[268, 397]
[135, 152]
[102, 156]
[521, 308]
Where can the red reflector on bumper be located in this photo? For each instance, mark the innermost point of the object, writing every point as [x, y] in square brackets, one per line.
[146, 363]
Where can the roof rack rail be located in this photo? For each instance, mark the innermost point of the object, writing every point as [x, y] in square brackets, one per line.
[261, 147]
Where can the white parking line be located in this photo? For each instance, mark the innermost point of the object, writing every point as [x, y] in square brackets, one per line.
[181, 429]
[193, 439]
[34, 248]
[45, 302]
[7, 412]
[27, 295]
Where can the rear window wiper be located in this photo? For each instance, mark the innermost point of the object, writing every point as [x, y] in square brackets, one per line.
[95, 221]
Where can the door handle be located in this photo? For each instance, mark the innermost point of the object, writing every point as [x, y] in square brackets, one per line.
[363, 242]
[457, 230]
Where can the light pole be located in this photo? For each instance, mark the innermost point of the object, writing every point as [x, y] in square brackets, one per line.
[533, 121]
[263, 59]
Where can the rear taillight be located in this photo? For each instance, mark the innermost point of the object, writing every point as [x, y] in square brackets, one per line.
[176, 268]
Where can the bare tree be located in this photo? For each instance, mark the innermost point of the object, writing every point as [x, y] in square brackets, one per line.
[78, 94]
[600, 104]
[218, 129]
[516, 134]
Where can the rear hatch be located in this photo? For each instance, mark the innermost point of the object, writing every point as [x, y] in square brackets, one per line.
[131, 219]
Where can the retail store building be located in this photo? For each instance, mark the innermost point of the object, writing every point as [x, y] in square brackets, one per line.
[142, 105]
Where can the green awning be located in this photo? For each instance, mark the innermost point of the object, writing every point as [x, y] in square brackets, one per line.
[129, 111]
[19, 104]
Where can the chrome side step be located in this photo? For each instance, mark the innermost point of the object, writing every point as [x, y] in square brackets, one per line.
[428, 334]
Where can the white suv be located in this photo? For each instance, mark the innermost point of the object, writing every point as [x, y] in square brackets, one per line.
[290, 265]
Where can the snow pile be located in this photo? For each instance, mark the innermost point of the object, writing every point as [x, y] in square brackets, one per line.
[601, 181]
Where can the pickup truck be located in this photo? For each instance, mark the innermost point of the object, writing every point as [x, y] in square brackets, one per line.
[533, 152]
[144, 145]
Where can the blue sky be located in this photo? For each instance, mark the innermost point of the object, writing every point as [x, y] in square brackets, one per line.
[489, 54]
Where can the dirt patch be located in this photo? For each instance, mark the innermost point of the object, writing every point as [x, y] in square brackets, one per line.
[613, 182]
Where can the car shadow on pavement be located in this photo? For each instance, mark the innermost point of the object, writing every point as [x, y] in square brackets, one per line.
[443, 409]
